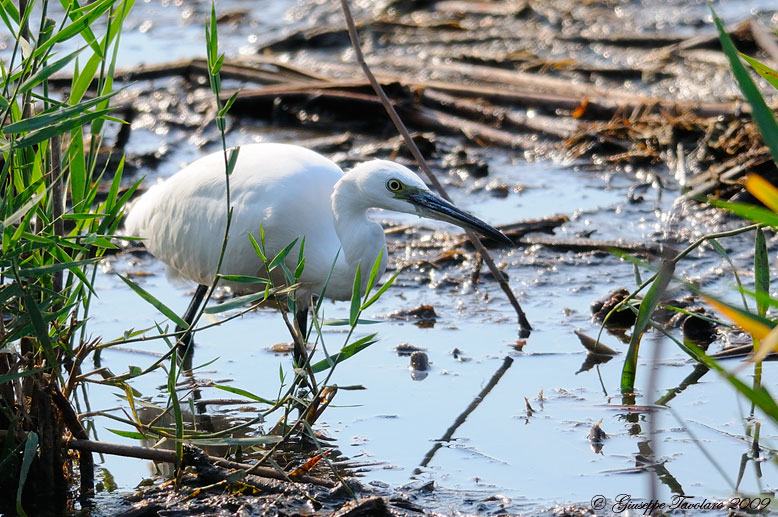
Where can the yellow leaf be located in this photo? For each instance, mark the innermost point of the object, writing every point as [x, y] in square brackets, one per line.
[767, 345]
[756, 328]
[763, 190]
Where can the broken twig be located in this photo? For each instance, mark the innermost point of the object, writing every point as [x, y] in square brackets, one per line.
[524, 326]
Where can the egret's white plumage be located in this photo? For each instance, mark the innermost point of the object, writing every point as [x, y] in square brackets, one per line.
[292, 192]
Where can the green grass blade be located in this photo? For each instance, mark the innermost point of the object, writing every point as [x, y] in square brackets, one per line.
[759, 396]
[82, 83]
[243, 393]
[240, 301]
[725, 255]
[761, 297]
[761, 270]
[235, 303]
[54, 116]
[113, 191]
[374, 273]
[7, 291]
[753, 213]
[80, 25]
[229, 103]
[161, 307]
[345, 353]
[40, 327]
[761, 113]
[298, 272]
[47, 71]
[232, 159]
[355, 297]
[770, 75]
[111, 222]
[130, 396]
[258, 249]
[647, 307]
[212, 38]
[380, 291]
[244, 279]
[35, 272]
[64, 126]
[23, 210]
[281, 255]
[344, 322]
[133, 435]
[9, 9]
[246, 441]
[179, 418]
[30, 450]
[8, 377]
[326, 282]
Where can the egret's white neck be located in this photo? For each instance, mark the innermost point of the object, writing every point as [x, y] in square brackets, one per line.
[361, 239]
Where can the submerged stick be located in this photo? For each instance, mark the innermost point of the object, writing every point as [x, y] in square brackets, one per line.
[146, 453]
[556, 127]
[583, 244]
[475, 131]
[86, 463]
[507, 362]
[765, 39]
[524, 327]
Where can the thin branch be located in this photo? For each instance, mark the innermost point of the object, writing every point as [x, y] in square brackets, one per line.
[524, 327]
[86, 461]
[506, 363]
[170, 457]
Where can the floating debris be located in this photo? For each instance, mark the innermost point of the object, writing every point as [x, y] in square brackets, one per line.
[519, 345]
[404, 349]
[419, 366]
[140, 274]
[457, 354]
[594, 346]
[593, 360]
[529, 408]
[622, 318]
[420, 362]
[596, 437]
[700, 330]
[424, 315]
[282, 348]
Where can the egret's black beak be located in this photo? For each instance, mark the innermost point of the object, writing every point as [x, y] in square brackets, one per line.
[429, 205]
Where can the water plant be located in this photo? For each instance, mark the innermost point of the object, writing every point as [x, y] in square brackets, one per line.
[758, 323]
[57, 222]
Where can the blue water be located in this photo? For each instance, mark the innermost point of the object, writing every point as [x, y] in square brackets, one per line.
[499, 449]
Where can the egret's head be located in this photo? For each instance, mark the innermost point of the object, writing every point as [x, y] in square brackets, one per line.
[391, 186]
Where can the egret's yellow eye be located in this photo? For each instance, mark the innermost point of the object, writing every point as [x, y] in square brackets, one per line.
[394, 185]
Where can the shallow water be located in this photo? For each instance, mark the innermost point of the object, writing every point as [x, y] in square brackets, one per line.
[536, 461]
[499, 449]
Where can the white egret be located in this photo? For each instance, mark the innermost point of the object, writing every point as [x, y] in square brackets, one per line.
[291, 192]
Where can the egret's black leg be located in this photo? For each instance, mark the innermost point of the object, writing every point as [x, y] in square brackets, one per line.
[301, 317]
[185, 356]
[190, 313]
